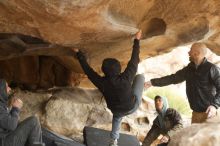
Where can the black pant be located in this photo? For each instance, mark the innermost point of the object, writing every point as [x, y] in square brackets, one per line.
[163, 144]
[27, 132]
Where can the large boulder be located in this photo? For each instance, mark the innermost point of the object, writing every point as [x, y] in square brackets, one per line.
[67, 111]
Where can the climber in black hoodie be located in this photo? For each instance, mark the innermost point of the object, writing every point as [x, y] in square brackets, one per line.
[122, 91]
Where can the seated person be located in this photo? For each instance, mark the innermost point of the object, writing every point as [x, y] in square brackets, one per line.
[165, 124]
[26, 133]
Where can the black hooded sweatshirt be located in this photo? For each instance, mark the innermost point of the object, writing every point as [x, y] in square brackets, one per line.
[115, 86]
[8, 119]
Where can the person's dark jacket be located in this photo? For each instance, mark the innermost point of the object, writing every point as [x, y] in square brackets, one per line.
[202, 84]
[172, 121]
[116, 87]
[8, 119]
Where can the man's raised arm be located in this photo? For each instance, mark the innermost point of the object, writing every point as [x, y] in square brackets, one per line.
[132, 66]
[92, 75]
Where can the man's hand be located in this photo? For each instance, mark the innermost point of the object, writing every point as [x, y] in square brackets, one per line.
[211, 111]
[138, 35]
[17, 103]
[147, 84]
[164, 139]
[76, 50]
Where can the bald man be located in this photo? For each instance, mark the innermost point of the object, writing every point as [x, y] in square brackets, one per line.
[202, 83]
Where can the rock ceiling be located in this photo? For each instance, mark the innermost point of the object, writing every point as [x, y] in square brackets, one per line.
[36, 30]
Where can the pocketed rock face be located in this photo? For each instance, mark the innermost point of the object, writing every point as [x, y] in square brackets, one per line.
[104, 28]
[67, 110]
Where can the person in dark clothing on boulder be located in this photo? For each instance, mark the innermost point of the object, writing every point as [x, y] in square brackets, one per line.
[12, 133]
[165, 124]
[202, 83]
[122, 91]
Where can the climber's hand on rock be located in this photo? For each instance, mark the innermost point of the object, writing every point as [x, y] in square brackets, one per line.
[138, 35]
[164, 139]
[76, 50]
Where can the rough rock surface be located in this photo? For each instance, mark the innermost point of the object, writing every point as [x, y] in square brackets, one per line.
[103, 28]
